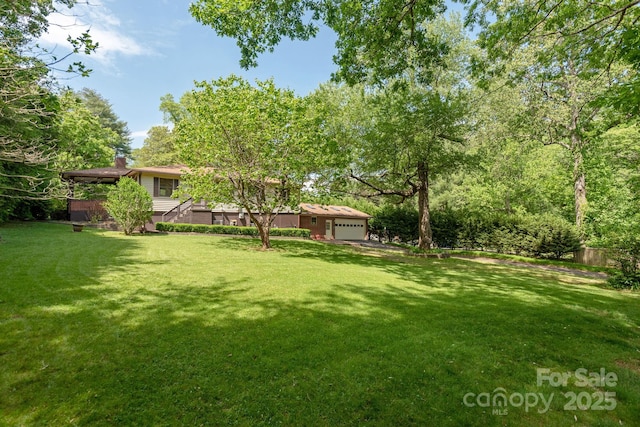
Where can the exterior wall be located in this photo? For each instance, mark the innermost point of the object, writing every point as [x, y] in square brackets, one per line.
[318, 230]
[160, 204]
[147, 182]
[286, 221]
[281, 221]
[199, 216]
[86, 210]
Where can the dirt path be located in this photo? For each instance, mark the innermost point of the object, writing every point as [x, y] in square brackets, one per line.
[567, 270]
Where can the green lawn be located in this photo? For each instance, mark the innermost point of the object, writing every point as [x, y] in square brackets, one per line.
[98, 329]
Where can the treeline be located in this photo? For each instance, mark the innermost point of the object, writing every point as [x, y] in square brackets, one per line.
[46, 128]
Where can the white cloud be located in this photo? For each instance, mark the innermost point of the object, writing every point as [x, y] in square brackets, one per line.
[140, 134]
[105, 29]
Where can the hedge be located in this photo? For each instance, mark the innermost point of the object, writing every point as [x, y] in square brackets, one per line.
[230, 229]
[539, 236]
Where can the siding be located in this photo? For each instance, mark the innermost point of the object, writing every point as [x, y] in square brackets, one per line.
[147, 182]
[164, 204]
[160, 204]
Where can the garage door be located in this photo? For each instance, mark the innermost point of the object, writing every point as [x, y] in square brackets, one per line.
[350, 229]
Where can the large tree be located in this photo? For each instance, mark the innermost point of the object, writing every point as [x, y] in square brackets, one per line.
[245, 145]
[406, 134]
[103, 110]
[159, 148]
[415, 135]
[603, 32]
[554, 52]
[83, 140]
[27, 101]
[376, 39]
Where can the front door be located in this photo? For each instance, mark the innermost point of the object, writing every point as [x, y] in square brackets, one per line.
[328, 233]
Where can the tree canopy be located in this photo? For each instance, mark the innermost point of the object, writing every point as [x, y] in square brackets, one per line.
[376, 39]
[159, 148]
[28, 103]
[103, 111]
[600, 33]
[246, 145]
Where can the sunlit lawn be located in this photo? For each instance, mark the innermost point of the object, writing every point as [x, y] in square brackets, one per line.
[99, 329]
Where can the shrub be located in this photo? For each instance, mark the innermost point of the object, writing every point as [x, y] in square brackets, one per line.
[627, 256]
[625, 281]
[540, 236]
[130, 205]
[472, 231]
[553, 237]
[445, 225]
[229, 229]
[391, 221]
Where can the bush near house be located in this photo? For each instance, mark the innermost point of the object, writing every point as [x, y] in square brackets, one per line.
[130, 205]
[230, 229]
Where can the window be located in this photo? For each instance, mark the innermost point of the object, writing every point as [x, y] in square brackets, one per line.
[164, 187]
[314, 220]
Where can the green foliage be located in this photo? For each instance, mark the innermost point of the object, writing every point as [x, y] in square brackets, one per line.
[626, 252]
[614, 164]
[103, 111]
[601, 33]
[552, 236]
[565, 58]
[84, 141]
[382, 39]
[159, 148]
[130, 205]
[229, 229]
[539, 235]
[391, 221]
[28, 105]
[445, 223]
[247, 145]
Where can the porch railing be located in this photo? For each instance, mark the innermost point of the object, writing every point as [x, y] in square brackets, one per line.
[174, 214]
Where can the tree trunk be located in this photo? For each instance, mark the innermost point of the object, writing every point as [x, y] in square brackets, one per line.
[580, 191]
[263, 224]
[264, 230]
[425, 234]
[264, 236]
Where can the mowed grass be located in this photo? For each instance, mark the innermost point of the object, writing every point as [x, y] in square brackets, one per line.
[100, 329]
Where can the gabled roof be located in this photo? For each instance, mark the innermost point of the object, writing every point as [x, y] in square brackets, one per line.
[329, 210]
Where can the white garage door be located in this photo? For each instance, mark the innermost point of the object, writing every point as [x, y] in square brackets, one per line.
[350, 229]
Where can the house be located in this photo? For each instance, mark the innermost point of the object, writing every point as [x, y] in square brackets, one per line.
[325, 222]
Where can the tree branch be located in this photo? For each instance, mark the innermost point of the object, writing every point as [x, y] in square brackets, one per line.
[382, 192]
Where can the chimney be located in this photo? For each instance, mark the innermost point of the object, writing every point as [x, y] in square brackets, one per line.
[121, 162]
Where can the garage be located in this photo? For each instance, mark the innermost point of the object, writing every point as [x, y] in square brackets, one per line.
[334, 222]
[350, 229]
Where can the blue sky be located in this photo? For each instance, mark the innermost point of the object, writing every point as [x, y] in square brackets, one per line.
[149, 48]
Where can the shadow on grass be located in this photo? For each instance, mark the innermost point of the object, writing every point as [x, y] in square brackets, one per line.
[217, 352]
